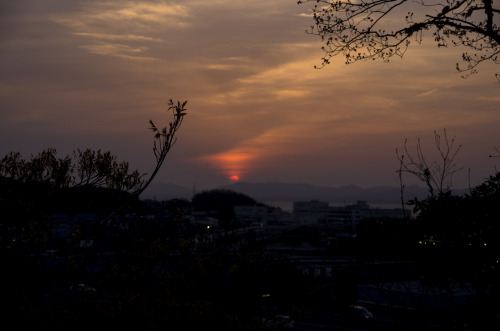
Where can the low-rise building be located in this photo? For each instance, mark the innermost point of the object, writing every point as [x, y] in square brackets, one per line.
[348, 216]
[340, 217]
[310, 211]
[260, 215]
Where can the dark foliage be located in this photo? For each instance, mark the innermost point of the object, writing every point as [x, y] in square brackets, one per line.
[387, 238]
[458, 239]
[23, 200]
[86, 168]
[90, 168]
[471, 220]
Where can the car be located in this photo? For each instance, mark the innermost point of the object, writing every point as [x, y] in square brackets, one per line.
[360, 312]
[280, 321]
[81, 287]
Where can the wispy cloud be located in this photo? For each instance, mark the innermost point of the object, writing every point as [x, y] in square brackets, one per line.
[118, 50]
[424, 94]
[126, 14]
[107, 36]
[493, 99]
[247, 155]
[125, 21]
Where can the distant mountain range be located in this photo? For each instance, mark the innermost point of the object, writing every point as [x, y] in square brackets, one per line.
[276, 191]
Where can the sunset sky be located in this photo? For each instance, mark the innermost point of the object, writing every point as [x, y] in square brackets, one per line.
[90, 74]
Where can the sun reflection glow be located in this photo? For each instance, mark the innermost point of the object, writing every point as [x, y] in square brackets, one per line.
[232, 164]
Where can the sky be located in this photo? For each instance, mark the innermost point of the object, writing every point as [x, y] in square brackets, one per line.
[91, 74]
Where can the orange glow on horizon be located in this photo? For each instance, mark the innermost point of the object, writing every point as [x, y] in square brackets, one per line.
[232, 164]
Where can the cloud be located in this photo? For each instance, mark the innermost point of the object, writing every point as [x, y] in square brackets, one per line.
[493, 99]
[120, 14]
[291, 93]
[93, 73]
[106, 36]
[248, 155]
[424, 94]
[126, 21]
[119, 50]
[141, 11]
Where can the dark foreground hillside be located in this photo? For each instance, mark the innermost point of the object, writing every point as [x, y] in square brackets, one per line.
[111, 261]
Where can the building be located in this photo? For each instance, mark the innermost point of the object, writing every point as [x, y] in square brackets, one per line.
[260, 215]
[339, 217]
[310, 211]
[251, 214]
[390, 213]
[348, 216]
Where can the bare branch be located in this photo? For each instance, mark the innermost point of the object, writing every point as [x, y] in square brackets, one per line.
[376, 29]
[437, 175]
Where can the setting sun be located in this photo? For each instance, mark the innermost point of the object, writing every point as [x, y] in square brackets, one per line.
[232, 164]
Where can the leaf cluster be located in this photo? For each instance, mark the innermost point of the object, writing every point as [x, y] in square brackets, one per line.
[87, 168]
[165, 138]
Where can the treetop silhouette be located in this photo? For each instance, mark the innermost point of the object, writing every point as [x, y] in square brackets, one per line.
[85, 170]
[382, 29]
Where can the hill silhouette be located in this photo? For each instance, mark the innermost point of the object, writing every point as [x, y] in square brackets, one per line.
[277, 191]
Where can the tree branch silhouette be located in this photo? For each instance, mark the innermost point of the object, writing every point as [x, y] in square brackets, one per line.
[380, 29]
[164, 139]
[437, 175]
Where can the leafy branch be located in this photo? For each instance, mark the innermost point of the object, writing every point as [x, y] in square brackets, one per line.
[165, 138]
